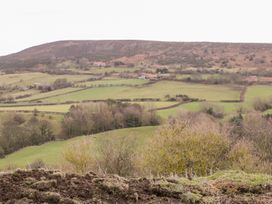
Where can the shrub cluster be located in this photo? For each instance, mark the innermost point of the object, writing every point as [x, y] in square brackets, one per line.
[18, 132]
[191, 144]
[195, 144]
[213, 110]
[262, 104]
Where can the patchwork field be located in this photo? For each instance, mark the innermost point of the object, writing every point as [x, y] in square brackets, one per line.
[51, 152]
[118, 88]
[157, 90]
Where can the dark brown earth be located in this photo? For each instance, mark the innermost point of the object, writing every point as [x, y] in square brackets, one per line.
[40, 186]
[140, 53]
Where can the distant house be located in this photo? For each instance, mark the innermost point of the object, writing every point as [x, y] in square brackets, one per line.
[23, 88]
[164, 76]
[251, 79]
[99, 64]
[142, 77]
[150, 76]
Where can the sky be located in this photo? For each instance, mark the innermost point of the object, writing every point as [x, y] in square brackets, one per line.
[25, 23]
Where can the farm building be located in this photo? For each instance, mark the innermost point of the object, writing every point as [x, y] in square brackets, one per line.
[150, 76]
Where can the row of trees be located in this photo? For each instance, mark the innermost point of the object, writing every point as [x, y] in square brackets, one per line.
[85, 119]
[18, 132]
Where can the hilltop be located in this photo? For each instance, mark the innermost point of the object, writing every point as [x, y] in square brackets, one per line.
[82, 54]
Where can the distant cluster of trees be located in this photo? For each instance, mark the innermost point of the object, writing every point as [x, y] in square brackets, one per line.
[57, 84]
[18, 132]
[98, 117]
[225, 78]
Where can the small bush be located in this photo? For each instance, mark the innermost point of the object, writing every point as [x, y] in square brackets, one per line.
[116, 156]
[78, 156]
[10, 167]
[262, 104]
[184, 150]
[212, 110]
[107, 155]
[243, 156]
[2, 153]
[37, 164]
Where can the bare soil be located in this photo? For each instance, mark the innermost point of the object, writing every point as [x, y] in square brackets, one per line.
[42, 186]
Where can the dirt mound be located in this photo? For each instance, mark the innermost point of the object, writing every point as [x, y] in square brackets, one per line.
[40, 186]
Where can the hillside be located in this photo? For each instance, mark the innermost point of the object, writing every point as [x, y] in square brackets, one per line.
[82, 54]
[40, 186]
[51, 152]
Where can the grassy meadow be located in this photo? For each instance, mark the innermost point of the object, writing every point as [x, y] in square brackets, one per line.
[258, 91]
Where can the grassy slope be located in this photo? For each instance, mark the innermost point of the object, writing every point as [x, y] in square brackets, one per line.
[24, 79]
[51, 152]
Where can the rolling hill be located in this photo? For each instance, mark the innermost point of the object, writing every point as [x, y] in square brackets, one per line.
[82, 54]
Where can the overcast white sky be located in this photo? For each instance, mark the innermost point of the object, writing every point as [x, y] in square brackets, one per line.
[24, 23]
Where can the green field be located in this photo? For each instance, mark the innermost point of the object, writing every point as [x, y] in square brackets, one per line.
[157, 90]
[22, 93]
[51, 153]
[113, 82]
[25, 79]
[258, 91]
[49, 94]
[228, 108]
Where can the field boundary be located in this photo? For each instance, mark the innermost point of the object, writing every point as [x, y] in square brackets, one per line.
[33, 100]
[169, 107]
[243, 93]
[31, 111]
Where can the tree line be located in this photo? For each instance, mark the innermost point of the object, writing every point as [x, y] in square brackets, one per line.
[85, 119]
